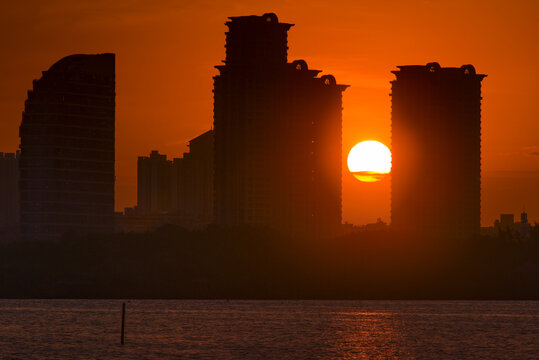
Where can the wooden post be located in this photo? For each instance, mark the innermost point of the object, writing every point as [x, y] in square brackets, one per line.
[123, 324]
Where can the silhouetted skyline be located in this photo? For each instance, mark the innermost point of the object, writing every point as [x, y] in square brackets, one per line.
[163, 45]
[242, 246]
[277, 156]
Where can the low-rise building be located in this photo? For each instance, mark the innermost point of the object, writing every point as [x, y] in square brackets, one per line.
[9, 196]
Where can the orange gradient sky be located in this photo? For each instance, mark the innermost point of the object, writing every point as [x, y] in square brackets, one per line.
[166, 51]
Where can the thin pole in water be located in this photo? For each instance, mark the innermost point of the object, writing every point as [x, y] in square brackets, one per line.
[123, 324]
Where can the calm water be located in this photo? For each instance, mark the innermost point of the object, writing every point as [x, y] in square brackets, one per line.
[192, 329]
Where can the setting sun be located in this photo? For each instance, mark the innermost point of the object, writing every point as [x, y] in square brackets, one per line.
[369, 161]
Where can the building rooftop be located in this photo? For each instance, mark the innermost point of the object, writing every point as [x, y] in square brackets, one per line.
[98, 63]
[435, 68]
[255, 19]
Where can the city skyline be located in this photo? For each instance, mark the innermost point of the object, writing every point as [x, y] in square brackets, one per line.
[510, 166]
[231, 180]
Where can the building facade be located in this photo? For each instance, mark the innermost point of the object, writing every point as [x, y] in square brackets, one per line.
[154, 174]
[9, 195]
[178, 191]
[278, 134]
[67, 149]
[193, 182]
[436, 148]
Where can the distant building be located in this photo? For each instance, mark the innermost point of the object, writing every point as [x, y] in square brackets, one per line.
[193, 181]
[507, 221]
[507, 228]
[67, 149]
[379, 225]
[173, 192]
[436, 147]
[154, 174]
[278, 134]
[525, 227]
[9, 196]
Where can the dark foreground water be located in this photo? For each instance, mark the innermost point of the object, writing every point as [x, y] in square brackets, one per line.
[192, 329]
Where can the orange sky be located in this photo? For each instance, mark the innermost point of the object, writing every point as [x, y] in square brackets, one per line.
[166, 52]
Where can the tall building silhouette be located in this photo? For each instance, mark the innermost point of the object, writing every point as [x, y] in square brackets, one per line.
[192, 183]
[9, 195]
[154, 174]
[67, 149]
[436, 147]
[278, 134]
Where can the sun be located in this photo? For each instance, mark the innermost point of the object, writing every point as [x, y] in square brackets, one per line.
[369, 161]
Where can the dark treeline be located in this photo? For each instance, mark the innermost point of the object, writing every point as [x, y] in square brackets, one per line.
[258, 264]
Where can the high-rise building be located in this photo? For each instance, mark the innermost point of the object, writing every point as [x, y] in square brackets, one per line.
[67, 149]
[193, 181]
[436, 147]
[154, 184]
[182, 189]
[9, 195]
[278, 134]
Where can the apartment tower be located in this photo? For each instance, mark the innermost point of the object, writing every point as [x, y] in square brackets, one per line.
[67, 149]
[436, 146]
[278, 134]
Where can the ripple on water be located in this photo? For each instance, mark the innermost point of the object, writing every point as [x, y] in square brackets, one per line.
[200, 329]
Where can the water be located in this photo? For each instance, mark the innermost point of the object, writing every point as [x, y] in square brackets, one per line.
[196, 329]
